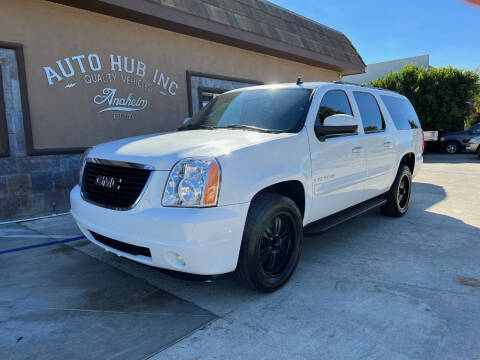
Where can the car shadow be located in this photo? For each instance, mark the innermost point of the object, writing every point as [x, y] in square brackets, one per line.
[418, 220]
[368, 233]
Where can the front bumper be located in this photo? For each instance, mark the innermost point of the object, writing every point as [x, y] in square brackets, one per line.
[203, 241]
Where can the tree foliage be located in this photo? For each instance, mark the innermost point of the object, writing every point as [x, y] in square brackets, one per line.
[475, 118]
[442, 97]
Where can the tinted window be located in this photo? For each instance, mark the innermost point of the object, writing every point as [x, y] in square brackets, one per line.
[474, 130]
[402, 112]
[333, 102]
[270, 109]
[369, 111]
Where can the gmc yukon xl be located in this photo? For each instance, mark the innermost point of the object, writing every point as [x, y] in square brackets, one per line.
[235, 188]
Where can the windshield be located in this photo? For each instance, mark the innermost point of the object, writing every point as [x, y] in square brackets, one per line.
[272, 110]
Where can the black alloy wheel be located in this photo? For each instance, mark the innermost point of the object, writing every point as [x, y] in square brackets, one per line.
[400, 193]
[276, 245]
[403, 194]
[271, 244]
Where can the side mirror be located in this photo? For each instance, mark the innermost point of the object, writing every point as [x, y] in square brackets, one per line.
[336, 125]
[186, 120]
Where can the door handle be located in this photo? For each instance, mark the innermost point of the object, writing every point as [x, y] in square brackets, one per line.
[388, 144]
[357, 150]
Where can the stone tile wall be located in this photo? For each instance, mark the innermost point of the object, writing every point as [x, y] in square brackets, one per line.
[30, 186]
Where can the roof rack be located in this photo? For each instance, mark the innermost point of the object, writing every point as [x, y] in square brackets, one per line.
[346, 83]
[366, 86]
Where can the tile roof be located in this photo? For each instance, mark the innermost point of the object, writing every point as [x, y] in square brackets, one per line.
[256, 25]
[273, 22]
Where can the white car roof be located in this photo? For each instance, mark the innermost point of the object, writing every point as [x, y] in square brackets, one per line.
[320, 84]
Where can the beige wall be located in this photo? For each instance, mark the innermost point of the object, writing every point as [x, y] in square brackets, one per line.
[68, 112]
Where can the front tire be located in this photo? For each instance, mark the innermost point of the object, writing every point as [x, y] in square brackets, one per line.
[272, 242]
[399, 195]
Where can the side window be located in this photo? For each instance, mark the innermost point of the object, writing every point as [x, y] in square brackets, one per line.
[333, 102]
[372, 118]
[475, 130]
[402, 112]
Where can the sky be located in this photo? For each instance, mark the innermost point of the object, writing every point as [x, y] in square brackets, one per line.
[383, 30]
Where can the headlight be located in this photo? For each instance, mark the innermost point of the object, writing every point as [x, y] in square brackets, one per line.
[442, 139]
[83, 160]
[193, 183]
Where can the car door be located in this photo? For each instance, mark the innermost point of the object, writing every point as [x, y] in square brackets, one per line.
[338, 163]
[378, 142]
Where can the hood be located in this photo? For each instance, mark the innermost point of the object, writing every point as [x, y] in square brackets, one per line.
[454, 133]
[163, 150]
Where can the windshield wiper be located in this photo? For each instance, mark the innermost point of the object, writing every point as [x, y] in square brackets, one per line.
[248, 127]
[231, 126]
[195, 127]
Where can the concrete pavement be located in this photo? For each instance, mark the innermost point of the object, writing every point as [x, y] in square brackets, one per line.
[58, 303]
[372, 288]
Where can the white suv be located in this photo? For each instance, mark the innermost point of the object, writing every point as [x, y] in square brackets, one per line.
[235, 188]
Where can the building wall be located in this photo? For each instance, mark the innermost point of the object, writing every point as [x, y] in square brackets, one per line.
[379, 70]
[61, 114]
[29, 185]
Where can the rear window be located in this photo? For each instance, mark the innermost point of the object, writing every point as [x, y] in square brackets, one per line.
[402, 112]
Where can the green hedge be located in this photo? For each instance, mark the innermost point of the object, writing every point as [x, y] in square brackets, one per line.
[441, 96]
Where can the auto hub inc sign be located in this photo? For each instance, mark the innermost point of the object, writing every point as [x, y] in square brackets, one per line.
[121, 85]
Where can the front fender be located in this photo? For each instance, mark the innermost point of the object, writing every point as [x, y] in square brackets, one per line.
[247, 171]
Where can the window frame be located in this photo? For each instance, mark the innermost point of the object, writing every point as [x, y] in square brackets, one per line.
[384, 123]
[4, 140]
[328, 91]
[352, 110]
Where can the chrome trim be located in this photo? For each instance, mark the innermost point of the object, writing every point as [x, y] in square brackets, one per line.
[120, 164]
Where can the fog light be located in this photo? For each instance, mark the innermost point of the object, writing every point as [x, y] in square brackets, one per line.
[175, 259]
[180, 260]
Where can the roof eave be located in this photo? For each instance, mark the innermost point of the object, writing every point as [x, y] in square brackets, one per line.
[151, 14]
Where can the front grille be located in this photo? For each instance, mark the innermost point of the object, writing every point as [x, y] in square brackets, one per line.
[112, 186]
[121, 246]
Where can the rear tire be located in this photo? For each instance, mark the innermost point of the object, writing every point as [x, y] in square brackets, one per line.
[271, 244]
[452, 147]
[478, 151]
[399, 195]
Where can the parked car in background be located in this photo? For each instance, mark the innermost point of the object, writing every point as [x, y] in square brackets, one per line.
[455, 142]
[234, 188]
[473, 145]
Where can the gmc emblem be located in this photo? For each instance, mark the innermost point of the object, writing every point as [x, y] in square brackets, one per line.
[108, 182]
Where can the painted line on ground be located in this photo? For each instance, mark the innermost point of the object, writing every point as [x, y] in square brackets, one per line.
[57, 242]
